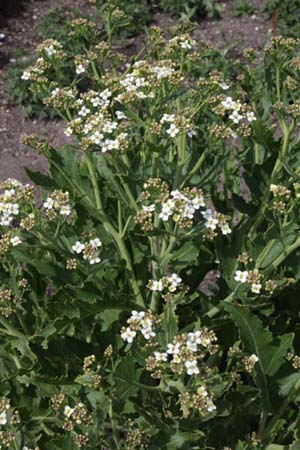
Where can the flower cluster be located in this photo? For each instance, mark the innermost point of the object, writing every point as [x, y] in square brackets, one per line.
[182, 355]
[8, 417]
[90, 250]
[249, 362]
[281, 196]
[37, 72]
[139, 322]
[49, 47]
[180, 206]
[143, 80]
[183, 42]
[200, 400]
[95, 125]
[175, 125]
[58, 202]
[12, 193]
[237, 111]
[167, 286]
[251, 277]
[91, 376]
[76, 418]
[213, 221]
[185, 355]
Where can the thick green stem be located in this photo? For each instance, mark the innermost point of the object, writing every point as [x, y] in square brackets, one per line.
[195, 169]
[114, 428]
[287, 132]
[117, 236]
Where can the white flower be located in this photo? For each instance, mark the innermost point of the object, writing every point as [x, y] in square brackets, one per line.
[250, 116]
[26, 75]
[241, 276]
[207, 214]
[173, 130]
[49, 203]
[95, 242]
[162, 72]
[84, 111]
[15, 241]
[3, 418]
[174, 278]
[228, 103]
[225, 229]
[97, 137]
[96, 101]
[256, 288]
[202, 391]
[211, 223]
[191, 133]
[186, 45]
[160, 356]
[68, 411]
[235, 117]
[164, 215]
[173, 349]
[94, 260]
[80, 69]
[137, 315]
[50, 50]
[192, 346]
[128, 335]
[148, 333]
[65, 210]
[14, 209]
[198, 202]
[177, 195]
[236, 106]
[188, 211]
[176, 359]
[120, 115]
[192, 368]
[195, 337]
[224, 86]
[210, 406]
[78, 247]
[253, 358]
[167, 118]
[106, 94]
[156, 285]
[68, 131]
[149, 208]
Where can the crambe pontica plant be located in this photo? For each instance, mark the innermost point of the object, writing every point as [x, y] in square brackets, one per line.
[108, 338]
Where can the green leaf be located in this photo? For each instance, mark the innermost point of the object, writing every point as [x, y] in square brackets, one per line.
[274, 355]
[255, 339]
[186, 256]
[170, 321]
[40, 179]
[287, 384]
[127, 378]
[181, 437]
[109, 316]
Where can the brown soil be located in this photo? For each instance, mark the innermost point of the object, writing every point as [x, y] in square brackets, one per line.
[229, 32]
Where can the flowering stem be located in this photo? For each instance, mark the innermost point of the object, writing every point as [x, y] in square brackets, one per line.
[156, 272]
